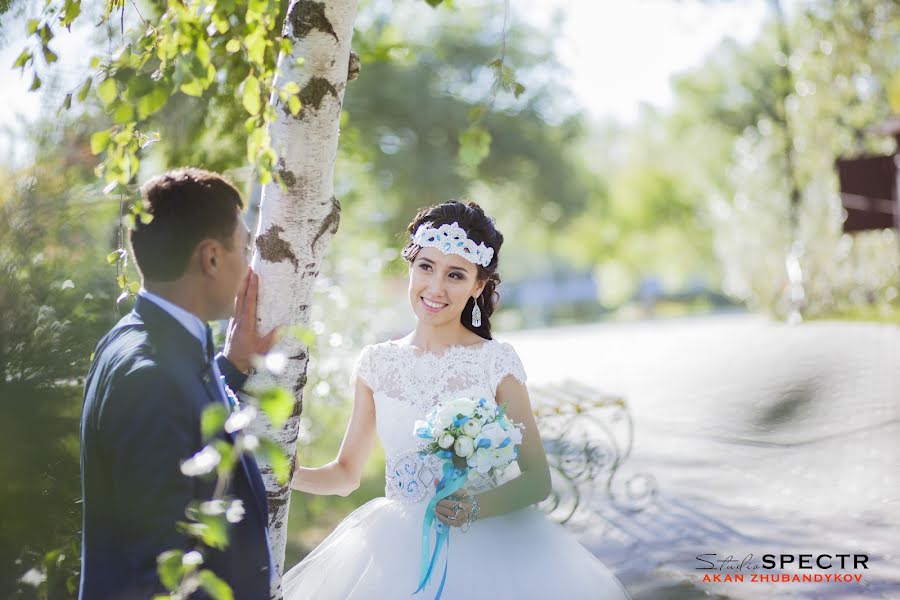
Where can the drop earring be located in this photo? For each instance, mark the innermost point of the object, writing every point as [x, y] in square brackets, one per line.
[476, 314]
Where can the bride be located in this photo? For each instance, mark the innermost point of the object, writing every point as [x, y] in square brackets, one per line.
[501, 547]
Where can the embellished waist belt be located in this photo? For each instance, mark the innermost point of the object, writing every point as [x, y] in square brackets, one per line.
[411, 478]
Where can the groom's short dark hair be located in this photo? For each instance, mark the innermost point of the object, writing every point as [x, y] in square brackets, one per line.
[188, 206]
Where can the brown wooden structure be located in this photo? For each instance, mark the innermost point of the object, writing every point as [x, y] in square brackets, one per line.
[870, 186]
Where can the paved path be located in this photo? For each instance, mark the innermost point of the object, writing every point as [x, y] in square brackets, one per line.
[764, 439]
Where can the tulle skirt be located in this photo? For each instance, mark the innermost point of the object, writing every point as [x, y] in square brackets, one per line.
[375, 554]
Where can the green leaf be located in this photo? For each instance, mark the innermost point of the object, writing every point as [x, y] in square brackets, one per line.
[70, 12]
[893, 93]
[229, 456]
[33, 25]
[474, 146]
[211, 529]
[256, 48]
[84, 89]
[46, 34]
[152, 102]
[67, 103]
[133, 287]
[192, 88]
[518, 89]
[50, 56]
[257, 6]
[113, 257]
[170, 569]
[291, 87]
[35, 83]
[275, 458]
[302, 334]
[278, 404]
[202, 51]
[250, 99]
[212, 420]
[123, 112]
[107, 91]
[22, 59]
[233, 46]
[215, 587]
[294, 105]
[222, 25]
[99, 141]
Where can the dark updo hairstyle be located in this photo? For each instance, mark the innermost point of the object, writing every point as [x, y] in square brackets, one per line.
[480, 229]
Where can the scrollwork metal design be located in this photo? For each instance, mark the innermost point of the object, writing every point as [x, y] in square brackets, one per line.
[588, 437]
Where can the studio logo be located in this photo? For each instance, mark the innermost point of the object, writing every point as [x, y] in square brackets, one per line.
[770, 568]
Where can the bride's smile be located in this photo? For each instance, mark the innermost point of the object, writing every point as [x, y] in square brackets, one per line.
[440, 285]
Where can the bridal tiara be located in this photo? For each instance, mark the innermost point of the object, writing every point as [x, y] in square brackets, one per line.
[452, 239]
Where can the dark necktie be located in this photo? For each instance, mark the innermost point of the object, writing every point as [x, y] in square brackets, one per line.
[210, 348]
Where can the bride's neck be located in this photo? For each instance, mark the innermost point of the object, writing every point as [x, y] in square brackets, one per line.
[432, 339]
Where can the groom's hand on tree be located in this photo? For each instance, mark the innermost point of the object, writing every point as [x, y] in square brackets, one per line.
[243, 341]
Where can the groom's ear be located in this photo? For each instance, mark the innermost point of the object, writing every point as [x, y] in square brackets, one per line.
[209, 256]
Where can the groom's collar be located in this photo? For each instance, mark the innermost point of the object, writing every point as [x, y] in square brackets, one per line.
[186, 319]
[167, 329]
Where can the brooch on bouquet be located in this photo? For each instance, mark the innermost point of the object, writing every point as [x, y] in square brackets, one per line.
[466, 435]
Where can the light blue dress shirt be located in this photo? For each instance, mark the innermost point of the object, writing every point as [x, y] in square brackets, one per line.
[195, 327]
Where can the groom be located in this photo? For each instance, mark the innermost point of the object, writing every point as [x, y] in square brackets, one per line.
[151, 377]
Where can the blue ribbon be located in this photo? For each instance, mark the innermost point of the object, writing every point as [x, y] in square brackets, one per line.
[452, 481]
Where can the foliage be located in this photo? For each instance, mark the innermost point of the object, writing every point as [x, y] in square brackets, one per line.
[403, 117]
[56, 300]
[842, 61]
[181, 572]
[224, 54]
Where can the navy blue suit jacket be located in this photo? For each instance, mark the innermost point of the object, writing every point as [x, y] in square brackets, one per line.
[148, 384]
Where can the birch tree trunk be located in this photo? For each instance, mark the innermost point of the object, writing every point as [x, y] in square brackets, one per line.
[295, 225]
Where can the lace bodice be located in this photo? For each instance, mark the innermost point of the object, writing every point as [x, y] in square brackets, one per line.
[407, 384]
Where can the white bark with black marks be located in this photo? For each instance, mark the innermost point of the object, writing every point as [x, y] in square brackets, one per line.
[295, 225]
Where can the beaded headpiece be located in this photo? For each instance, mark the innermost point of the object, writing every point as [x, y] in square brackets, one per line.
[452, 239]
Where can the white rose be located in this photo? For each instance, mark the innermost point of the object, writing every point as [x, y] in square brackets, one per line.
[444, 418]
[446, 440]
[464, 446]
[480, 460]
[471, 427]
[502, 457]
[493, 433]
[462, 406]
[515, 435]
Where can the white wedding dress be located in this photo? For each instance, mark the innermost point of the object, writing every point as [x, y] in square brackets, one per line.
[375, 553]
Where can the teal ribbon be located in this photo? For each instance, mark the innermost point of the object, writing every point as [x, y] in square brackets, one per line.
[450, 483]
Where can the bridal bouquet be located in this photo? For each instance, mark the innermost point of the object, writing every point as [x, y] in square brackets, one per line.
[471, 434]
[466, 434]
